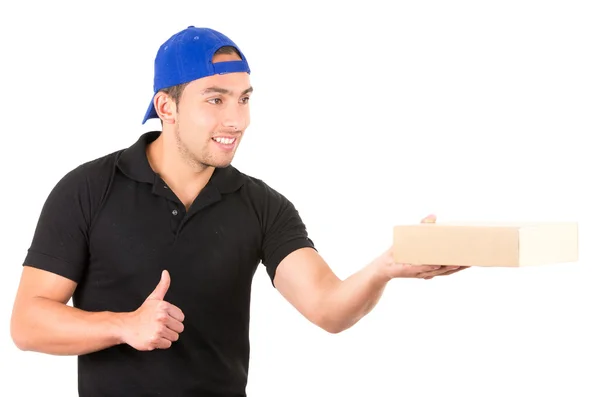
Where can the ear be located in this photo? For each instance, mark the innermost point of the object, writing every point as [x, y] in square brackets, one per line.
[165, 107]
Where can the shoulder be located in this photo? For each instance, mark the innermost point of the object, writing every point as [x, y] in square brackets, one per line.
[258, 189]
[84, 185]
[91, 168]
[269, 204]
[92, 171]
[90, 174]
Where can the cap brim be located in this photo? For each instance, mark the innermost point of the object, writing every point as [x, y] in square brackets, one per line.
[150, 113]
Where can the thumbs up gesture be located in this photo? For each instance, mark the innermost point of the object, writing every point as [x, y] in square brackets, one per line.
[156, 324]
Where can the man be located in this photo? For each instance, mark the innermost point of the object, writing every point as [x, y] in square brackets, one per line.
[158, 243]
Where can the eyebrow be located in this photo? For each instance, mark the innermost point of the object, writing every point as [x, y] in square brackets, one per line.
[225, 91]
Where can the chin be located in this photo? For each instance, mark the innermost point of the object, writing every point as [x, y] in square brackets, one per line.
[223, 163]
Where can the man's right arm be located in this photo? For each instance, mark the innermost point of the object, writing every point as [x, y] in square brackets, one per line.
[43, 322]
[57, 260]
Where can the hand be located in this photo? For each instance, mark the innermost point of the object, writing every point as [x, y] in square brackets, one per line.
[156, 324]
[392, 269]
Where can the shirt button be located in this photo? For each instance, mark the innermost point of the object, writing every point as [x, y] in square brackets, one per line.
[174, 212]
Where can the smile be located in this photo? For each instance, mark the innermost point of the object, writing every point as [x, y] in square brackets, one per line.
[223, 140]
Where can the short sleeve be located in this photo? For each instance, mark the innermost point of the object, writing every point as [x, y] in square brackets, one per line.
[284, 231]
[60, 239]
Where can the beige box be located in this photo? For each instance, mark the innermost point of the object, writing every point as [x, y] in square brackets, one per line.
[486, 244]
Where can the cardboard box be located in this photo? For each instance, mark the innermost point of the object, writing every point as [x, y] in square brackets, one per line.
[486, 244]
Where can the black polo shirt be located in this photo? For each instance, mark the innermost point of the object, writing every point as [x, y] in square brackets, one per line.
[112, 225]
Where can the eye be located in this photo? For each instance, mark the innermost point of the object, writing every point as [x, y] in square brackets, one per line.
[215, 101]
[245, 100]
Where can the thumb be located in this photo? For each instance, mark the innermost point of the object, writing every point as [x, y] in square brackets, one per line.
[429, 219]
[163, 286]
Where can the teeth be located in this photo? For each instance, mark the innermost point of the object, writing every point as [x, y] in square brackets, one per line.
[226, 141]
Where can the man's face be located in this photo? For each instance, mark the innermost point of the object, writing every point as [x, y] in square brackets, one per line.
[212, 115]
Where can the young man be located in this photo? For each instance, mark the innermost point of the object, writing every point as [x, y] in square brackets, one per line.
[158, 243]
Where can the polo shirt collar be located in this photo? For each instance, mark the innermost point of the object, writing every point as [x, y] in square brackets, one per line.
[134, 163]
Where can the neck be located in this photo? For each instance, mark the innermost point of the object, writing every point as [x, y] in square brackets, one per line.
[185, 178]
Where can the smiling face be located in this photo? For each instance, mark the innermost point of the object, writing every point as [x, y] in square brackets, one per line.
[210, 119]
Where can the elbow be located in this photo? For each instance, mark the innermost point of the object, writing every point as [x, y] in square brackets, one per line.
[21, 344]
[18, 333]
[19, 337]
[334, 330]
[331, 320]
[329, 324]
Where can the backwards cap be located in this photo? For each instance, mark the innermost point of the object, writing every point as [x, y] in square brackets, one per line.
[187, 56]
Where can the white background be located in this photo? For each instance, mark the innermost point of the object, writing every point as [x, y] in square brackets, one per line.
[365, 116]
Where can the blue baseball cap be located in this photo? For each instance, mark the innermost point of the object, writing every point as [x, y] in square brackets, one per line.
[187, 56]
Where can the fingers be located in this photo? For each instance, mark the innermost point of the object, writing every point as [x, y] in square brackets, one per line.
[175, 312]
[420, 269]
[171, 316]
[169, 335]
[454, 271]
[443, 271]
[170, 319]
[163, 339]
[174, 325]
[429, 219]
[167, 332]
[161, 343]
[412, 271]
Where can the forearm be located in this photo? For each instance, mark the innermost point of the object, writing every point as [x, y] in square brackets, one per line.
[47, 326]
[351, 299]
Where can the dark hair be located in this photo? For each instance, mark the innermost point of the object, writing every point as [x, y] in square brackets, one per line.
[176, 91]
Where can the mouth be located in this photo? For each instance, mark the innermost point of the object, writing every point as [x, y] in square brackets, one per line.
[224, 140]
[225, 143]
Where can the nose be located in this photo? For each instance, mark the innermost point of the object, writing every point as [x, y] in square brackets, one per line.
[235, 117]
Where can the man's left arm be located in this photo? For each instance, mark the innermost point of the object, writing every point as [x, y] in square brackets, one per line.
[308, 283]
